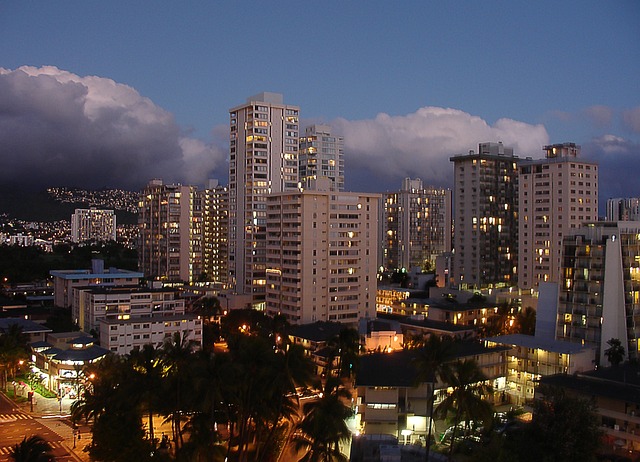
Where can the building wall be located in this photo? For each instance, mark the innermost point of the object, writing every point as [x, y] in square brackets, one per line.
[93, 224]
[321, 155]
[170, 233]
[623, 209]
[486, 211]
[91, 305]
[123, 336]
[556, 195]
[593, 296]
[263, 159]
[215, 228]
[416, 226]
[321, 256]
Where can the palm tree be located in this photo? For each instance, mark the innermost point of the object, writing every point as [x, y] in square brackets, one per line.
[32, 449]
[324, 426]
[465, 402]
[147, 362]
[292, 369]
[177, 353]
[112, 399]
[431, 363]
[615, 353]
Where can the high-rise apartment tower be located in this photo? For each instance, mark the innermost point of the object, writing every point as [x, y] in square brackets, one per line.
[416, 226]
[556, 195]
[170, 232]
[321, 255]
[321, 155]
[486, 217]
[93, 224]
[263, 159]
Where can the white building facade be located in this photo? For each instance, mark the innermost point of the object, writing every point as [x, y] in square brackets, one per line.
[263, 159]
[321, 255]
[556, 195]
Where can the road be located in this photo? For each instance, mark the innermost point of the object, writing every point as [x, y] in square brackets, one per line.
[15, 425]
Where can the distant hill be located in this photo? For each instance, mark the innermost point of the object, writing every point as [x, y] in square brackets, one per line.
[40, 206]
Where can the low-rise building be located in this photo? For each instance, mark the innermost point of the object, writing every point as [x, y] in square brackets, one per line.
[60, 360]
[123, 336]
[92, 304]
[616, 394]
[391, 400]
[64, 281]
[530, 358]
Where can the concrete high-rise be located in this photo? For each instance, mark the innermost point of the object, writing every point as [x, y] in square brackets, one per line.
[623, 209]
[321, 155]
[170, 232]
[215, 228]
[486, 217]
[263, 159]
[600, 287]
[556, 195]
[416, 226]
[93, 224]
[321, 255]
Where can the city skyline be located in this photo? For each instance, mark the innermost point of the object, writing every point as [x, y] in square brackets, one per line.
[132, 94]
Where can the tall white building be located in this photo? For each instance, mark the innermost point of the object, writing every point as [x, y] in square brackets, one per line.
[321, 255]
[93, 224]
[486, 217]
[170, 232]
[556, 195]
[623, 209]
[416, 226]
[321, 155]
[264, 138]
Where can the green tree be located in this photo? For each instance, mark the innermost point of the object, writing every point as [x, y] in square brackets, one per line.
[465, 403]
[13, 350]
[615, 353]
[112, 399]
[32, 449]
[526, 321]
[323, 427]
[563, 427]
[431, 362]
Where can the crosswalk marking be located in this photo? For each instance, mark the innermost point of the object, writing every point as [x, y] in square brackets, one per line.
[9, 417]
[6, 450]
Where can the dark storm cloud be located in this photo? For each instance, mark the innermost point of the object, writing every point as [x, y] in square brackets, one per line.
[57, 128]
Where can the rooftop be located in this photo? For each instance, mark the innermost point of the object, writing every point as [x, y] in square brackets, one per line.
[320, 331]
[28, 327]
[530, 341]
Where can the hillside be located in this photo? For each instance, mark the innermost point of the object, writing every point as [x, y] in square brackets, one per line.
[40, 206]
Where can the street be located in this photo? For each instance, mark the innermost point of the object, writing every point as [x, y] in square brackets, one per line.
[16, 424]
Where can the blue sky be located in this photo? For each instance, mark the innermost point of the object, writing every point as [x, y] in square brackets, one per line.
[528, 72]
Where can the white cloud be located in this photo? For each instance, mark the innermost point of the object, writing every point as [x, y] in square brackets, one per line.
[381, 152]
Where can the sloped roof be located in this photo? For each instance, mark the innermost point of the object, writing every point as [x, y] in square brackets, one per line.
[86, 354]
